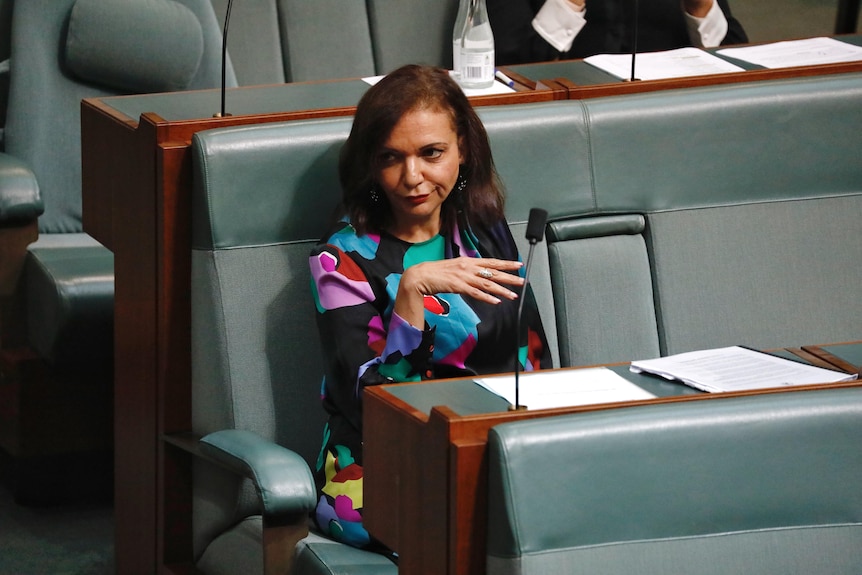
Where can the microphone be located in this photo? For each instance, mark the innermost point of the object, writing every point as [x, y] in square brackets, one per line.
[223, 113]
[535, 233]
[634, 40]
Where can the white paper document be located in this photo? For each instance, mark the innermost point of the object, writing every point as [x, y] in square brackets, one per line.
[565, 388]
[678, 63]
[495, 88]
[736, 369]
[808, 52]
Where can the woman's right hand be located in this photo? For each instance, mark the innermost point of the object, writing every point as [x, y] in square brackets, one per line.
[484, 279]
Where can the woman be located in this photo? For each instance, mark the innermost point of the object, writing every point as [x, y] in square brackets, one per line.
[420, 277]
[542, 30]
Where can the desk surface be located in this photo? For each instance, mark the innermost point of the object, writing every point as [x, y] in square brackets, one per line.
[270, 99]
[464, 397]
[345, 94]
[583, 74]
[429, 439]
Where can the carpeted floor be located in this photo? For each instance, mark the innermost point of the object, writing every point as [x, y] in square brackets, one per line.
[54, 539]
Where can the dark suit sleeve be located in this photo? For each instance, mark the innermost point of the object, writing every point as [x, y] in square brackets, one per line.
[735, 32]
[515, 40]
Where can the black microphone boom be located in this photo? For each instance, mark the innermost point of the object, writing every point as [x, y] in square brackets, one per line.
[223, 113]
[634, 40]
[535, 233]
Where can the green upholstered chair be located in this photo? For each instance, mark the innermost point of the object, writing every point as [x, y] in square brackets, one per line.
[57, 321]
[411, 32]
[274, 41]
[602, 284]
[766, 484]
[261, 196]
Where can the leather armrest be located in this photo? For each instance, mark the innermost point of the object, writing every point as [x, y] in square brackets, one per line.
[282, 477]
[20, 200]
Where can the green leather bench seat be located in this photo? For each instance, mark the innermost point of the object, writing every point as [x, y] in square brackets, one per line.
[255, 358]
[659, 205]
[752, 196]
[765, 484]
[70, 301]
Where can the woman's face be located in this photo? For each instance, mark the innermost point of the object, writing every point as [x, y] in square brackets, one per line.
[418, 167]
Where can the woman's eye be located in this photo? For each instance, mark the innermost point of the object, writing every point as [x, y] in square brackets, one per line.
[433, 153]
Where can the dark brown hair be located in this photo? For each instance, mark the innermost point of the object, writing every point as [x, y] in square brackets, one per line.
[406, 89]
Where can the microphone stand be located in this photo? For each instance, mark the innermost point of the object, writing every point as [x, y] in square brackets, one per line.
[535, 233]
[634, 41]
[223, 113]
[518, 406]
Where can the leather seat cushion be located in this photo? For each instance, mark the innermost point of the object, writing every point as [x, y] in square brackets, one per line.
[70, 299]
[136, 47]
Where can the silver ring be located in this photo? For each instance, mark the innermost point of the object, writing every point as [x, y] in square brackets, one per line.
[485, 273]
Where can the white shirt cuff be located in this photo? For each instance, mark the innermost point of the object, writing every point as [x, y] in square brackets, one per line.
[558, 22]
[709, 31]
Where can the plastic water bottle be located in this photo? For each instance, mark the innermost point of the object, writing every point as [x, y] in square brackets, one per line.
[476, 58]
[457, 35]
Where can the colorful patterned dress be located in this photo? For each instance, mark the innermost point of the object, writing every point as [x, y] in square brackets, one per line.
[355, 280]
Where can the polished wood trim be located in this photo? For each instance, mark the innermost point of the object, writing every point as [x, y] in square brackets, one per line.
[520, 80]
[832, 361]
[809, 357]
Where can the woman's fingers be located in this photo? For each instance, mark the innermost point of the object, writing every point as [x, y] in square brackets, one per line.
[486, 279]
[490, 277]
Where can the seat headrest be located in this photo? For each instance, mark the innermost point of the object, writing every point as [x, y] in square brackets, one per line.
[137, 47]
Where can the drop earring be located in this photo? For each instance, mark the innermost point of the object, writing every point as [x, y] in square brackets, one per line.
[374, 195]
[461, 183]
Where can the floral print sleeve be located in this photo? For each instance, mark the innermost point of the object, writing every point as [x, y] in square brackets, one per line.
[354, 282]
[365, 342]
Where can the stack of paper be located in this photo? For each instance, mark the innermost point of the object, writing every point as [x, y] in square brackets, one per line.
[736, 369]
[808, 52]
[565, 388]
[678, 63]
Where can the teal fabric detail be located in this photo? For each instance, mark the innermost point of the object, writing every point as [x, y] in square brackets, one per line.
[431, 250]
[316, 296]
[343, 455]
[398, 371]
[321, 457]
[522, 356]
[348, 240]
